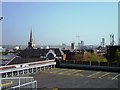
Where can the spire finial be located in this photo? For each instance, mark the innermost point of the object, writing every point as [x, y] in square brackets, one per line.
[31, 35]
[31, 40]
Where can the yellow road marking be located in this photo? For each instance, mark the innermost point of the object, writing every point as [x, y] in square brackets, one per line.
[78, 74]
[69, 72]
[115, 77]
[104, 75]
[56, 71]
[94, 74]
[74, 72]
[6, 84]
[55, 88]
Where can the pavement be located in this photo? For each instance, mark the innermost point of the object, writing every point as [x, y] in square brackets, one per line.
[54, 79]
[74, 78]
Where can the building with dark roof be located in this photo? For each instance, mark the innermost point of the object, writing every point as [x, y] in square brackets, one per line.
[42, 53]
[31, 54]
[101, 49]
[22, 60]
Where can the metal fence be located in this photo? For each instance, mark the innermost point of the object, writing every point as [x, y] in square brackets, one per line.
[18, 83]
[91, 63]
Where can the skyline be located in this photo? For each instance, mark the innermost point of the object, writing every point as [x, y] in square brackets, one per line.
[55, 23]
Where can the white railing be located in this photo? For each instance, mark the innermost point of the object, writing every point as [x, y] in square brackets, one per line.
[26, 70]
[18, 83]
[32, 66]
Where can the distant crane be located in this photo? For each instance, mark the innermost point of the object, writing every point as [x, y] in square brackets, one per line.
[78, 37]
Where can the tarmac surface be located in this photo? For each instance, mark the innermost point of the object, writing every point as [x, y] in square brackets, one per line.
[74, 78]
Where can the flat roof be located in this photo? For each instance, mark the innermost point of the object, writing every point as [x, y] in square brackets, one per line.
[73, 78]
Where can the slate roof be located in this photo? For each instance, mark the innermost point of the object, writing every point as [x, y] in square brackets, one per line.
[33, 55]
[102, 49]
[4, 59]
[38, 52]
[20, 60]
[57, 51]
[33, 52]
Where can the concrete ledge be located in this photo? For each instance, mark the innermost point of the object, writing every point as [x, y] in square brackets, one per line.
[88, 67]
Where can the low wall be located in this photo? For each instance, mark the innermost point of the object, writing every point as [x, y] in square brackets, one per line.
[101, 66]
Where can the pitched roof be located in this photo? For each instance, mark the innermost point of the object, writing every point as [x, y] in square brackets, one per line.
[33, 52]
[39, 52]
[20, 60]
[57, 51]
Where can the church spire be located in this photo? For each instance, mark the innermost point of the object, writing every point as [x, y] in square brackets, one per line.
[30, 42]
[31, 36]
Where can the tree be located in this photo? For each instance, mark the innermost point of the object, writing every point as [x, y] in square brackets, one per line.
[94, 57]
[78, 56]
[85, 55]
[117, 56]
[99, 58]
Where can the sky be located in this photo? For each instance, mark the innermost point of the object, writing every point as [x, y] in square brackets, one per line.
[54, 23]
